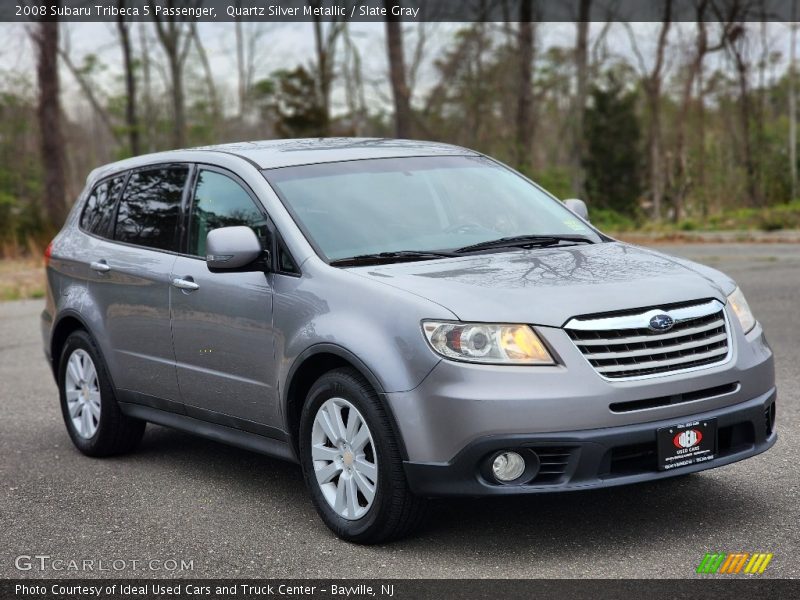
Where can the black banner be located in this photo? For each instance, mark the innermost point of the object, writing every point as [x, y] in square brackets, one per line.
[395, 589]
[381, 10]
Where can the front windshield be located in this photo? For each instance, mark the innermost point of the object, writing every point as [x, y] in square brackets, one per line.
[364, 207]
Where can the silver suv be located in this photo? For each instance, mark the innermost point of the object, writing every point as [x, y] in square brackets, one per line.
[404, 319]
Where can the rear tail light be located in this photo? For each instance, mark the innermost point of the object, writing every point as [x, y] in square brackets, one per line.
[48, 252]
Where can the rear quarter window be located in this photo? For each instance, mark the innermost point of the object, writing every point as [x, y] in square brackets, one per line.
[98, 212]
[150, 208]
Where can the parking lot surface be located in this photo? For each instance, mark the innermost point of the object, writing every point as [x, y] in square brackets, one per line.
[231, 513]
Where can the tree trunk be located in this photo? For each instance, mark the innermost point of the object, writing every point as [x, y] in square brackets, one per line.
[746, 115]
[525, 79]
[45, 37]
[397, 71]
[793, 101]
[736, 43]
[701, 143]
[681, 171]
[131, 116]
[240, 67]
[213, 96]
[176, 43]
[178, 104]
[147, 92]
[653, 89]
[581, 90]
[323, 70]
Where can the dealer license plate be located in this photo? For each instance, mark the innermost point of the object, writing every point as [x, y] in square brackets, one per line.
[687, 444]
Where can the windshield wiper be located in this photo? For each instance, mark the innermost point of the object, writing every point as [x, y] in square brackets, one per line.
[390, 257]
[526, 241]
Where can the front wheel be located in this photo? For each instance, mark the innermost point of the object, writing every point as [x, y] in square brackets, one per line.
[352, 464]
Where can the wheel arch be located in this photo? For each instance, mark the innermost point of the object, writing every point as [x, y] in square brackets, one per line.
[308, 367]
[66, 324]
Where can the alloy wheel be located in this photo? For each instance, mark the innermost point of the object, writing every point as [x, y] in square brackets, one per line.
[344, 458]
[82, 390]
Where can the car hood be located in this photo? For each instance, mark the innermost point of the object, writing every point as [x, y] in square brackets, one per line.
[549, 286]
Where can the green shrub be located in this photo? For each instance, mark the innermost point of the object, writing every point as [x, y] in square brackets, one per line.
[609, 220]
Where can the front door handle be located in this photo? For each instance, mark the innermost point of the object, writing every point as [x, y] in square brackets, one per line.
[100, 266]
[185, 284]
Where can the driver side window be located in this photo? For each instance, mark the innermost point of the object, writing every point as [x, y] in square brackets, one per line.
[219, 201]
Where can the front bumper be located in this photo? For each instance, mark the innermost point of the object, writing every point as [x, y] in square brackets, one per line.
[597, 457]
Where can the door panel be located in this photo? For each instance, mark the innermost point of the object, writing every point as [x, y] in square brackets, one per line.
[224, 341]
[222, 329]
[130, 283]
[133, 296]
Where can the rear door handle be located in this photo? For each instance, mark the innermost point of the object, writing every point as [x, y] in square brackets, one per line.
[185, 284]
[100, 266]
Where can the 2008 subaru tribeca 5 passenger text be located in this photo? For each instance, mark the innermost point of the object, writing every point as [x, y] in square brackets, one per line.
[404, 319]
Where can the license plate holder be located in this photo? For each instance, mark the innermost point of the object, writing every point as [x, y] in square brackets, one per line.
[686, 444]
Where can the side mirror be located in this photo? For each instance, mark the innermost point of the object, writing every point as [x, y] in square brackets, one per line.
[578, 207]
[231, 248]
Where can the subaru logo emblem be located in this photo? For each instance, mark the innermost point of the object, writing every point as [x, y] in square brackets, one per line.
[661, 322]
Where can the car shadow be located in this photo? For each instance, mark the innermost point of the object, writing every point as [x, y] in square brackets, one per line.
[665, 511]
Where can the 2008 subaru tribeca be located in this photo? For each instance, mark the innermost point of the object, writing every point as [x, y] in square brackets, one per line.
[404, 319]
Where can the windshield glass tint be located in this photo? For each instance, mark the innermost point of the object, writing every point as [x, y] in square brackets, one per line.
[425, 204]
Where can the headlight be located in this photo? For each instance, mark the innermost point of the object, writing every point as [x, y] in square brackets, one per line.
[742, 309]
[485, 343]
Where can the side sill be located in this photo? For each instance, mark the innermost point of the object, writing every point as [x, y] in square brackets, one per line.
[212, 431]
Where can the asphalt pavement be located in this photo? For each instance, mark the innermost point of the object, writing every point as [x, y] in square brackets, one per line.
[230, 513]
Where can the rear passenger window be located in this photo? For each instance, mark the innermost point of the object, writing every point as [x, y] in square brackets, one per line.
[150, 207]
[99, 210]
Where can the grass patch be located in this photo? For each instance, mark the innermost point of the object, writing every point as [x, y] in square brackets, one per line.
[771, 218]
[21, 278]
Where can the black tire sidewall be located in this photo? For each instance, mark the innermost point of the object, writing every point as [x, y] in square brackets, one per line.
[102, 438]
[342, 385]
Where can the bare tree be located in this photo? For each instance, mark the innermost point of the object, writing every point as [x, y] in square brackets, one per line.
[176, 40]
[147, 90]
[652, 83]
[45, 38]
[680, 174]
[354, 85]
[581, 91]
[248, 37]
[131, 113]
[213, 96]
[397, 72]
[738, 46]
[793, 100]
[325, 41]
[89, 90]
[525, 49]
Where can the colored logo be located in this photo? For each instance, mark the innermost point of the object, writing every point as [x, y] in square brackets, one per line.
[735, 563]
[687, 439]
[662, 322]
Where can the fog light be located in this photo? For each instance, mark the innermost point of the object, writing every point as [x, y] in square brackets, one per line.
[508, 466]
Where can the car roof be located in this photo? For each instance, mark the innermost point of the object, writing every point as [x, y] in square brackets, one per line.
[271, 154]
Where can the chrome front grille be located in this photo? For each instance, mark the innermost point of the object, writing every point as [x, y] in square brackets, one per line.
[624, 346]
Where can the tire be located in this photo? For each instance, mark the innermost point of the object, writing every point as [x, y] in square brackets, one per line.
[89, 406]
[393, 511]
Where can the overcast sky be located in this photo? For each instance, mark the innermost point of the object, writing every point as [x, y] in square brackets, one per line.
[285, 45]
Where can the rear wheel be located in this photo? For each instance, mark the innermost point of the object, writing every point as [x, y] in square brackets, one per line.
[93, 418]
[352, 464]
